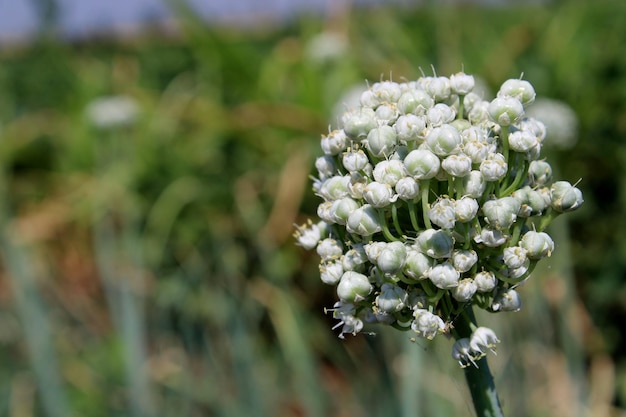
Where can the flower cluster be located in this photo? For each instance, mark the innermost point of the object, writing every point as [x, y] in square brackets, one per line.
[433, 200]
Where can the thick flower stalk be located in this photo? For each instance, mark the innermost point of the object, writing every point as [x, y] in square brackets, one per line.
[435, 201]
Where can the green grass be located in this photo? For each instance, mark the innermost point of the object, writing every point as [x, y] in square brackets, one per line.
[150, 271]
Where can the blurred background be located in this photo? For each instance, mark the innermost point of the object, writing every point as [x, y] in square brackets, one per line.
[154, 157]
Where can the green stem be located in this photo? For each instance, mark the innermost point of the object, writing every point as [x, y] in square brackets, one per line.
[396, 223]
[385, 227]
[425, 191]
[413, 215]
[479, 379]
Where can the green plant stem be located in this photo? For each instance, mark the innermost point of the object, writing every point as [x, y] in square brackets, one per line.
[479, 379]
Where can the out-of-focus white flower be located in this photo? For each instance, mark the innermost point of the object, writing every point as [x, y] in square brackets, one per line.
[326, 47]
[559, 119]
[112, 112]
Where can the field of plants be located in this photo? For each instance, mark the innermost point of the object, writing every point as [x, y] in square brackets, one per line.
[149, 188]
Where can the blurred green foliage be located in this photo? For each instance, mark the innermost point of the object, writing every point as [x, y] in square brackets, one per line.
[149, 270]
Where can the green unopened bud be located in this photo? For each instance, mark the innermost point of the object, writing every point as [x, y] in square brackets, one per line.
[353, 287]
[539, 173]
[358, 123]
[377, 194]
[364, 221]
[389, 172]
[341, 210]
[437, 244]
[392, 258]
[537, 244]
[415, 101]
[417, 264]
[443, 140]
[520, 89]
[505, 110]
[422, 164]
[565, 197]
[382, 141]
[501, 213]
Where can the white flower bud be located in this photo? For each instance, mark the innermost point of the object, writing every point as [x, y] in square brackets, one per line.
[381, 141]
[391, 298]
[470, 100]
[416, 102]
[537, 244]
[358, 123]
[485, 281]
[353, 287]
[341, 209]
[494, 167]
[389, 172]
[324, 213]
[427, 324]
[565, 197]
[417, 264]
[444, 276]
[329, 249]
[410, 128]
[373, 250]
[334, 143]
[354, 161]
[377, 194]
[355, 259]
[391, 259]
[443, 140]
[437, 244]
[364, 221]
[442, 213]
[540, 173]
[461, 83]
[533, 202]
[505, 110]
[465, 290]
[474, 184]
[440, 114]
[464, 260]
[507, 300]
[458, 165]
[387, 91]
[422, 164]
[514, 257]
[387, 113]
[523, 141]
[479, 113]
[490, 237]
[478, 151]
[357, 184]
[331, 272]
[437, 87]
[520, 89]
[483, 338]
[501, 213]
[407, 189]
[335, 188]
[326, 167]
[465, 209]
